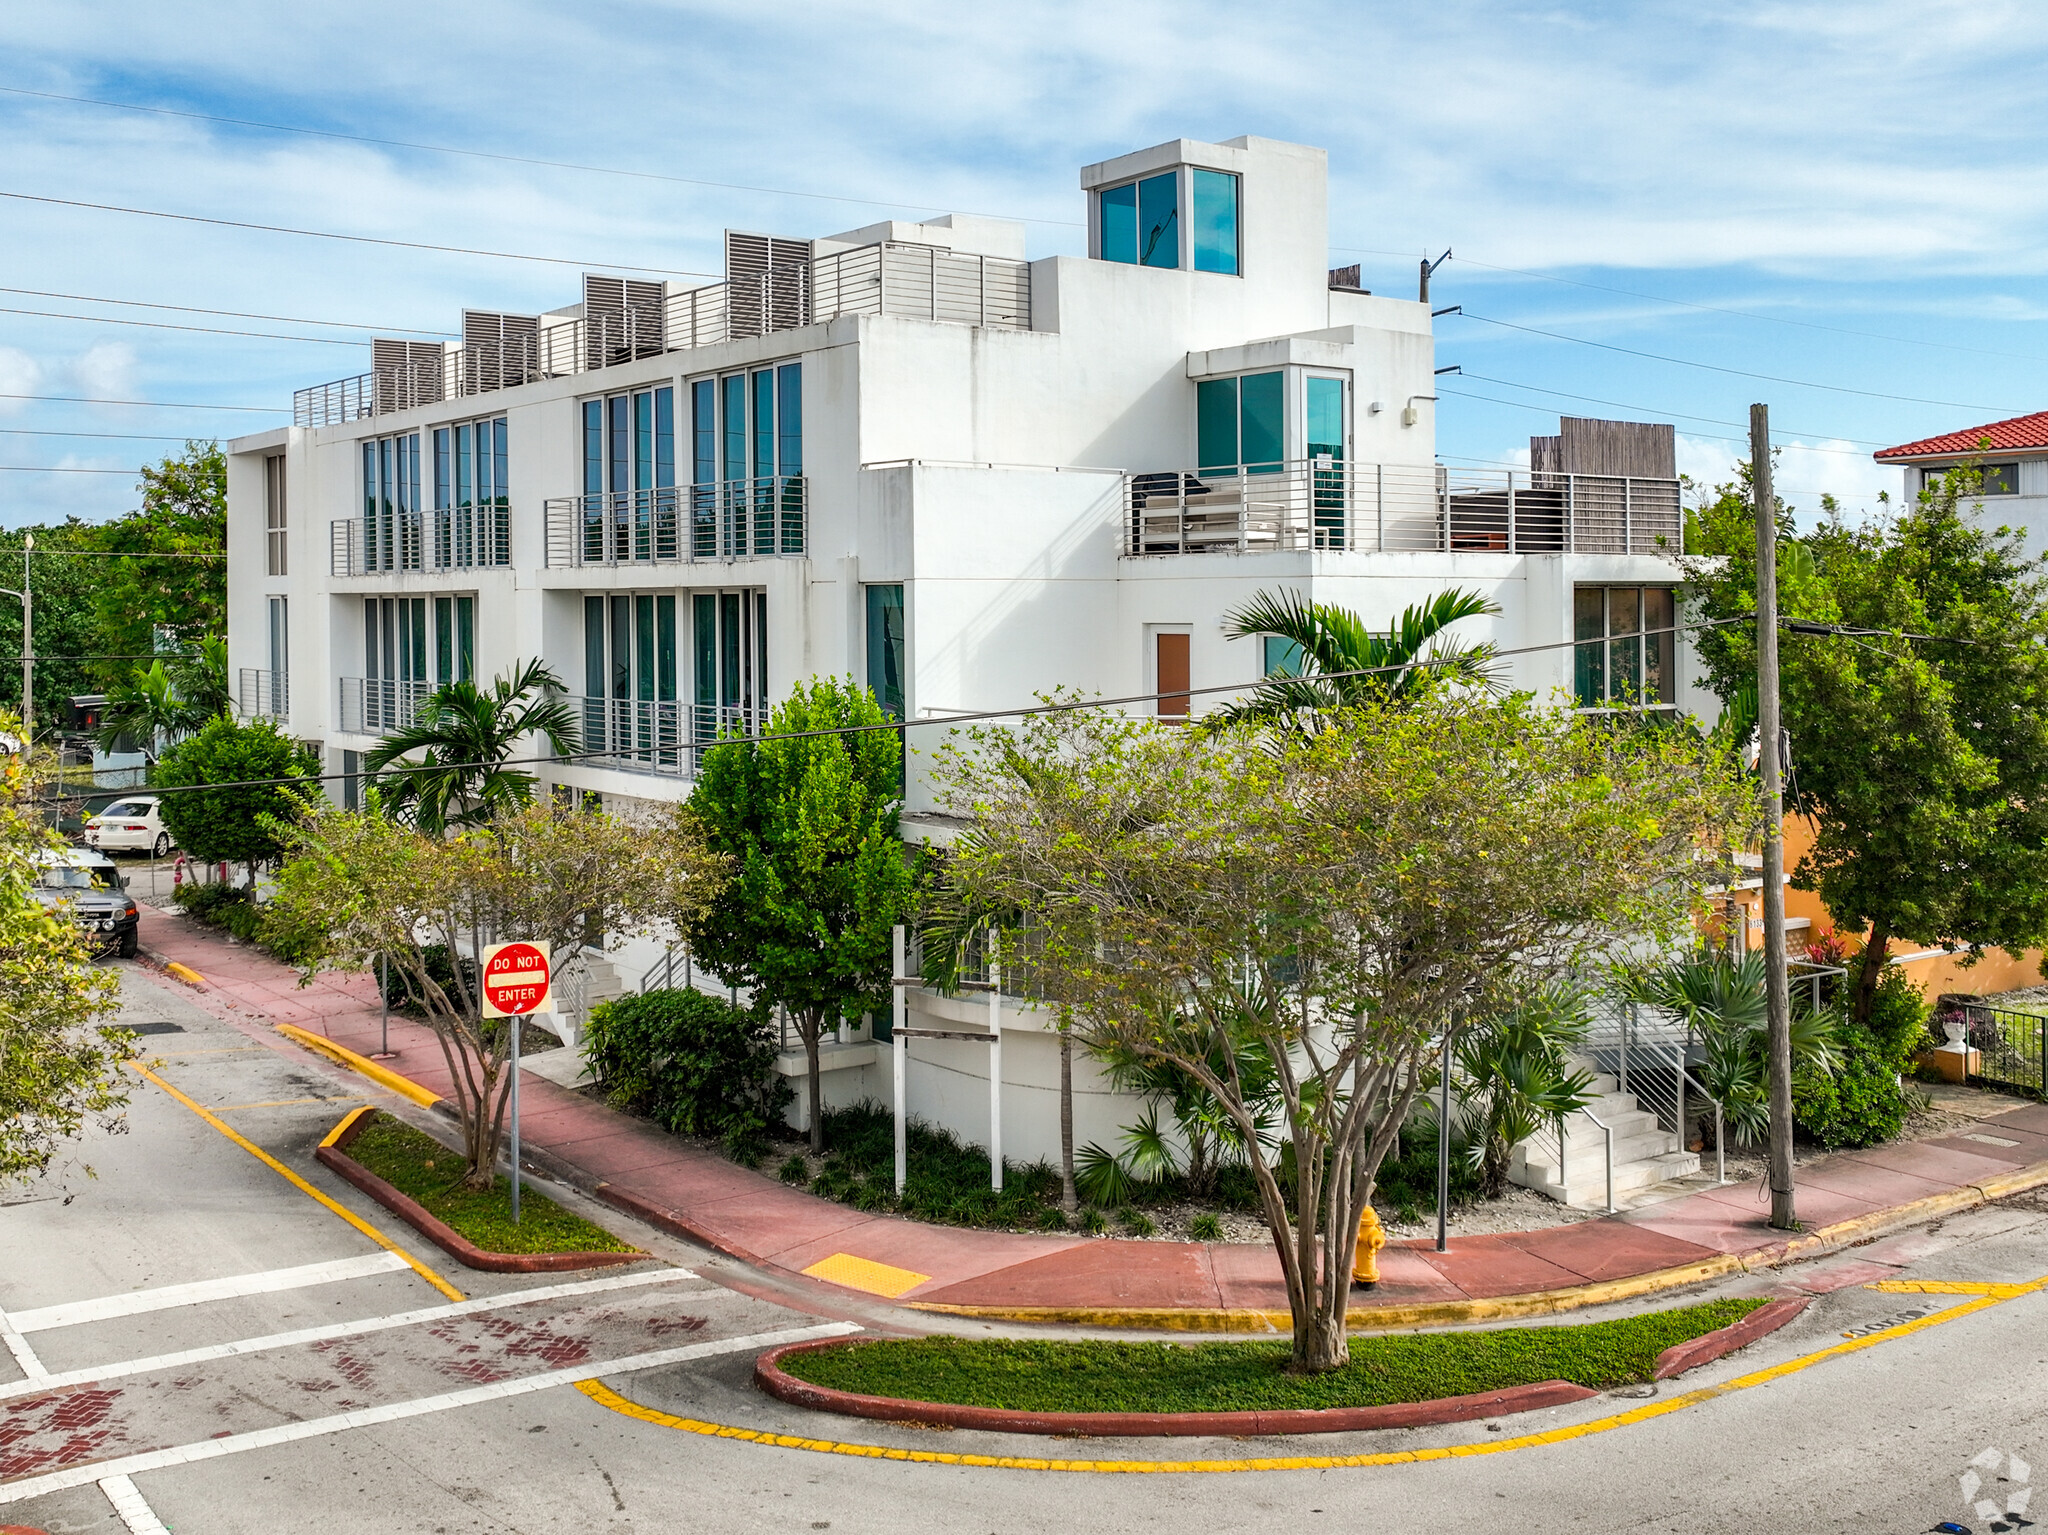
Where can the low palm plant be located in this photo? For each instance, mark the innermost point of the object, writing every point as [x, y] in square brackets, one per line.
[1345, 662]
[1514, 1078]
[150, 711]
[465, 736]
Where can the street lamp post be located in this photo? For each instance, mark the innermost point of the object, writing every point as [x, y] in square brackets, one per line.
[26, 597]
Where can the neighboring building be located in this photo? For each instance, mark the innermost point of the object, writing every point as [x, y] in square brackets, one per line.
[2012, 457]
[907, 453]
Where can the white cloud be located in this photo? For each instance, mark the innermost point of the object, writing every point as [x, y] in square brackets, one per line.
[19, 374]
[105, 371]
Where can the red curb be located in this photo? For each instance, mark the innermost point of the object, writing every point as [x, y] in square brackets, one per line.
[446, 1237]
[1720, 1343]
[778, 1383]
[664, 1219]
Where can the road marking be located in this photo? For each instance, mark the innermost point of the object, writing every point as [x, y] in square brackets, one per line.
[73, 1313]
[92, 1374]
[140, 1518]
[604, 1396]
[866, 1274]
[303, 1186]
[395, 1412]
[24, 1356]
[273, 1103]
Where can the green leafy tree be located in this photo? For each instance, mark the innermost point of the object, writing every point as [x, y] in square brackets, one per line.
[67, 627]
[819, 875]
[465, 735]
[1331, 904]
[182, 523]
[1329, 641]
[222, 812]
[358, 886]
[201, 676]
[60, 1065]
[149, 713]
[1922, 762]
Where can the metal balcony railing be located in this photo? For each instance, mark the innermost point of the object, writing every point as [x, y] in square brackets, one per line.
[263, 694]
[919, 282]
[448, 538]
[650, 735]
[1327, 504]
[733, 519]
[373, 706]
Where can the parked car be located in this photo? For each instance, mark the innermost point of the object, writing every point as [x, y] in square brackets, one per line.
[88, 886]
[135, 824]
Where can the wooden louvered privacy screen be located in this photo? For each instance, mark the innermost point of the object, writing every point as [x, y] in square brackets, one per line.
[498, 351]
[623, 318]
[405, 373]
[768, 283]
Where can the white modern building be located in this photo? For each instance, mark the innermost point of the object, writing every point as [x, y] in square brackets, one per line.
[2012, 461]
[910, 453]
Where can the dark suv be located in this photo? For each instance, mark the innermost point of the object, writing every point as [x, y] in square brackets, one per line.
[86, 884]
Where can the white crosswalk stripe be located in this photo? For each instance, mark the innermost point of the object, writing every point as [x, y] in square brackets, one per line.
[135, 1302]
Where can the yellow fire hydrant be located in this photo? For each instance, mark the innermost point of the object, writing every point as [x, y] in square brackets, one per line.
[1365, 1260]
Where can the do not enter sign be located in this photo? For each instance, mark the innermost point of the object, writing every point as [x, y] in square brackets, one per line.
[517, 980]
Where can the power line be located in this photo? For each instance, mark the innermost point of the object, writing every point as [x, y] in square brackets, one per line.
[484, 154]
[75, 399]
[39, 431]
[124, 554]
[233, 314]
[328, 234]
[1502, 463]
[1654, 410]
[1686, 362]
[55, 469]
[208, 330]
[1544, 410]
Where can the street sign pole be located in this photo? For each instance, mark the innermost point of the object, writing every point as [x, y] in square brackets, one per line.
[517, 981]
[518, 1026]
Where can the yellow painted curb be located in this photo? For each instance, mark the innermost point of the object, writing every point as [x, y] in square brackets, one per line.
[347, 1119]
[321, 1045]
[184, 973]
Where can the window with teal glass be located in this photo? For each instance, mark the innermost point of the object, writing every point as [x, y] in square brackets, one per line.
[1216, 426]
[593, 447]
[703, 433]
[1262, 422]
[1283, 657]
[1117, 211]
[1325, 423]
[789, 417]
[885, 648]
[733, 414]
[1214, 195]
[1159, 220]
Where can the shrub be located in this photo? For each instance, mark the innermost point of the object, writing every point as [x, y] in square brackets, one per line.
[691, 1062]
[1898, 1018]
[1206, 1228]
[796, 1172]
[440, 969]
[232, 908]
[1860, 1104]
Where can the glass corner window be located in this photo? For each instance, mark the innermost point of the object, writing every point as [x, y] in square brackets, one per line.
[1139, 222]
[1215, 215]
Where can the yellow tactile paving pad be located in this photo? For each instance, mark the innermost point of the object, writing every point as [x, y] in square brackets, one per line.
[866, 1274]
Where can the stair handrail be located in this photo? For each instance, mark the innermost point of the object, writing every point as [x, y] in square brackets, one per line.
[666, 966]
[1606, 1130]
[1720, 1135]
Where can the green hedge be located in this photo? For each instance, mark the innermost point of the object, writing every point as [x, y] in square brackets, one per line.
[230, 907]
[692, 1062]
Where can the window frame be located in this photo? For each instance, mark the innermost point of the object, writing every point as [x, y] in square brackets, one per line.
[1627, 652]
[276, 551]
[1117, 220]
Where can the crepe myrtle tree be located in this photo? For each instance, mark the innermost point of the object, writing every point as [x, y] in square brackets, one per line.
[1319, 914]
[358, 886]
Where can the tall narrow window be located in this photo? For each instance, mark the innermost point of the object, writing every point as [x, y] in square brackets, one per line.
[1325, 423]
[593, 447]
[1159, 220]
[444, 640]
[1216, 426]
[1214, 221]
[1117, 211]
[1172, 674]
[274, 515]
[886, 648]
[280, 657]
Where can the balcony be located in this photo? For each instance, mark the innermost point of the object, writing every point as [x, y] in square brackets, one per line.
[730, 520]
[451, 538]
[263, 695]
[917, 282]
[375, 706]
[643, 735]
[1325, 504]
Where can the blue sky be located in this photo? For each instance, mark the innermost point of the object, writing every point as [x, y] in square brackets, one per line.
[1864, 183]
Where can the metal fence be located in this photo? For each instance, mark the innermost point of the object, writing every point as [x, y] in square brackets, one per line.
[448, 538]
[2012, 1048]
[1324, 503]
[732, 519]
[658, 735]
[374, 705]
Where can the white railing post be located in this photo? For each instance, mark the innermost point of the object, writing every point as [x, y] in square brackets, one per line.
[995, 1076]
[900, 1053]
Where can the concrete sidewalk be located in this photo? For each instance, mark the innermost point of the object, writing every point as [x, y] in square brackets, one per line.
[1844, 1198]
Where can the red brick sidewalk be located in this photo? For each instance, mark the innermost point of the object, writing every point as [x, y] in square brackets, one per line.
[756, 1217]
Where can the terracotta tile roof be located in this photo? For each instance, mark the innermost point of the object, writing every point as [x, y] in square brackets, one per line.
[2019, 432]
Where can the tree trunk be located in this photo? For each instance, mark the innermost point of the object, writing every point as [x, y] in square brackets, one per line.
[810, 1023]
[1867, 977]
[1070, 1201]
[1320, 1344]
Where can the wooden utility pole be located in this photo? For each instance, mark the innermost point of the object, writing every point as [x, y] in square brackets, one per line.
[1769, 734]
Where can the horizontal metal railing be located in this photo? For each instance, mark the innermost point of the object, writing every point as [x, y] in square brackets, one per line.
[732, 519]
[261, 695]
[655, 735]
[906, 281]
[447, 538]
[374, 705]
[1327, 504]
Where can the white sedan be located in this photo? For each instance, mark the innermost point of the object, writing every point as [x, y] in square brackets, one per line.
[130, 825]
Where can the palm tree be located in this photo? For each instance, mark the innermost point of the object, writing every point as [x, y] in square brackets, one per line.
[203, 677]
[465, 735]
[149, 710]
[1344, 663]
[1515, 1077]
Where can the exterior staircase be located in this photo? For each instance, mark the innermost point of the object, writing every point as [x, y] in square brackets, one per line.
[1645, 1154]
[588, 979]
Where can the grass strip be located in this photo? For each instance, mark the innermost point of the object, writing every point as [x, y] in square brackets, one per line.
[417, 1165]
[1030, 1375]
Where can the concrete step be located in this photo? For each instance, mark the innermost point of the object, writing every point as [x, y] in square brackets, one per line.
[1629, 1179]
[1643, 1140]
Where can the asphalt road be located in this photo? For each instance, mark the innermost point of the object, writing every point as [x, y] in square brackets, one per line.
[358, 1396]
